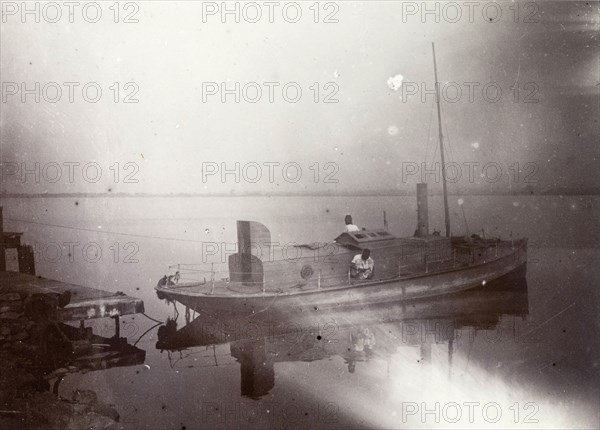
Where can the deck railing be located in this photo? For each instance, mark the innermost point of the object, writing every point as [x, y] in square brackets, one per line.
[213, 274]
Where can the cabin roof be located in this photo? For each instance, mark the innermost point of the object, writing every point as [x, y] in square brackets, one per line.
[363, 237]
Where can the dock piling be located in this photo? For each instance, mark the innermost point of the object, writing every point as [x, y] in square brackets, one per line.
[117, 327]
[2, 249]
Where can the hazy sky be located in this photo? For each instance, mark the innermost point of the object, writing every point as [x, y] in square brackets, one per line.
[170, 55]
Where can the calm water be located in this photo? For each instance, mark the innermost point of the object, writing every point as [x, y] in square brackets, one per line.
[529, 350]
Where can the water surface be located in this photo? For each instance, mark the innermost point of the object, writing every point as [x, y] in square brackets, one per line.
[530, 350]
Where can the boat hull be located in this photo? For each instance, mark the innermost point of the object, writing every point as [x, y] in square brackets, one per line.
[403, 289]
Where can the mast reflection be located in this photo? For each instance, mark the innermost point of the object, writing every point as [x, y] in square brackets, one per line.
[357, 336]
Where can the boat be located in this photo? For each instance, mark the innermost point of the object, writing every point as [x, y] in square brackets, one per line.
[320, 275]
[405, 269]
[377, 332]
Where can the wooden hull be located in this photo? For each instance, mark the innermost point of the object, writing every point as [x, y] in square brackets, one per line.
[476, 308]
[410, 288]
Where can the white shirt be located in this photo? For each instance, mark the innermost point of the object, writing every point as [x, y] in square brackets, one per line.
[361, 264]
[352, 227]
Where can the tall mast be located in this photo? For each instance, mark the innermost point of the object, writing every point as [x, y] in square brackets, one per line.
[437, 97]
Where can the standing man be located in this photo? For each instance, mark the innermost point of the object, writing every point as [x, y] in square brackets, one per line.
[349, 225]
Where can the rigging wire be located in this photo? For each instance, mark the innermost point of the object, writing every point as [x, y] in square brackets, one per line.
[429, 133]
[144, 236]
[447, 136]
[451, 150]
[434, 155]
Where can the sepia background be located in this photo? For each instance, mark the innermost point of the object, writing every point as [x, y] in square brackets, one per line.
[154, 203]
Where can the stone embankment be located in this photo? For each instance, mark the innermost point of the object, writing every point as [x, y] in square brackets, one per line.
[32, 352]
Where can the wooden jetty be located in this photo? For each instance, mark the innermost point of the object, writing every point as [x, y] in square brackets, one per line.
[69, 302]
[83, 302]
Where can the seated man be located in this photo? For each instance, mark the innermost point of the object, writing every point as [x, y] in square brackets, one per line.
[362, 266]
[349, 226]
[173, 279]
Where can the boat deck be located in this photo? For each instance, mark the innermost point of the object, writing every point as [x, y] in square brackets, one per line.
[466, 257]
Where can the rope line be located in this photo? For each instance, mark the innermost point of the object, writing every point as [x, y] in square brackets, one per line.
[102, 231]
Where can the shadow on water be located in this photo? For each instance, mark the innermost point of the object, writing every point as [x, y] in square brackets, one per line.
[37, 359]
[61, 349]
[86, 352]
[356, 335]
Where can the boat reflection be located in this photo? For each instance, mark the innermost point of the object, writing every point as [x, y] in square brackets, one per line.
[67, 350]
[357, 335]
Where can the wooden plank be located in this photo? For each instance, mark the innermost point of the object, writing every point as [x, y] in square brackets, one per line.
[102, 308]
[85, 303]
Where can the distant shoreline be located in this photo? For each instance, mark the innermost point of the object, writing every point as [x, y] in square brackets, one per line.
[585, 192]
